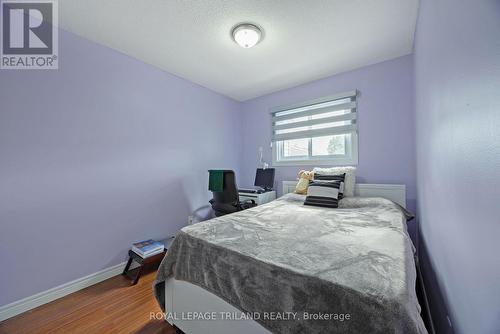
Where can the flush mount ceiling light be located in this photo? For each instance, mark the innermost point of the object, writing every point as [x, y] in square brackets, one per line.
[247, 35]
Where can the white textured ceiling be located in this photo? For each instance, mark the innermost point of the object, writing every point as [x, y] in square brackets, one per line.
[304, 40]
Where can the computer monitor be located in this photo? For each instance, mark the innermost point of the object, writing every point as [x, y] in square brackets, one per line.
[264, 178]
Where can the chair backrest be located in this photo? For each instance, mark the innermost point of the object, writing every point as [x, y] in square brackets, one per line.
[229, 193]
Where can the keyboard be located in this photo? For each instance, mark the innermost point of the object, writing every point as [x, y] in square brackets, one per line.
[247, 191]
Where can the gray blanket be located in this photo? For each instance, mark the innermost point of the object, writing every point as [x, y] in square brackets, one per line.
[356, 260]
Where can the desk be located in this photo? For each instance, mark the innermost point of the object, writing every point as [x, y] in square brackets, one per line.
[258, 198]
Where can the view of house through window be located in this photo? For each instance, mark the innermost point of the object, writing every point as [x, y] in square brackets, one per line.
[320, 146]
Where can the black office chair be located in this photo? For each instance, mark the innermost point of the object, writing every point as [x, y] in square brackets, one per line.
[228, 201]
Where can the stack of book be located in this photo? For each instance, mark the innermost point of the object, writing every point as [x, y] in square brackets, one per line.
[147, 248]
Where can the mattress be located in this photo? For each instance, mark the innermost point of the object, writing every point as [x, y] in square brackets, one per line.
[303, 269]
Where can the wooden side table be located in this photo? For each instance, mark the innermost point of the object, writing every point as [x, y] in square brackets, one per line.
[132, 256]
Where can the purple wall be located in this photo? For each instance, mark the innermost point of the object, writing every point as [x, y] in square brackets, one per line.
[457, 70]
[108, 150]
[102, 152]
[386, 123]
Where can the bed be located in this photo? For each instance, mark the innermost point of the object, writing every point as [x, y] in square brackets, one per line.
[283, 267]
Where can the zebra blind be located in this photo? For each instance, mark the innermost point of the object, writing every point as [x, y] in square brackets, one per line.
[333, 115]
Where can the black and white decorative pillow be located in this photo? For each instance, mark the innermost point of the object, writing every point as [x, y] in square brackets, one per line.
[323, 193]
[325, 177]
[350, 177]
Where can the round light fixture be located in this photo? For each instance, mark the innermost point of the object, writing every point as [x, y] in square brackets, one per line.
[247, 35]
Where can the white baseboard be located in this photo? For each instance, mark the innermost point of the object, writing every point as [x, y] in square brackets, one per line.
[44, 297]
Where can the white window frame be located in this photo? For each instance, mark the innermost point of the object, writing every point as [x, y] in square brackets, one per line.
[349, 159]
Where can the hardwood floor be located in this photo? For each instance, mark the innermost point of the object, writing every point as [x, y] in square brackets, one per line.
[112, 306]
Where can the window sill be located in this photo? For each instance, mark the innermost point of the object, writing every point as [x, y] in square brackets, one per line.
[319, 162]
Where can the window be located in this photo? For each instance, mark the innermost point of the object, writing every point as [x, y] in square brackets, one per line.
[322, 131]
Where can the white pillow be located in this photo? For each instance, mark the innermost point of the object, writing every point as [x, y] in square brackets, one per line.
[350, 177]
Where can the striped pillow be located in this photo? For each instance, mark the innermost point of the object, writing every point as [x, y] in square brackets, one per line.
[323, 193]
[339, 177]
[350, 177]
